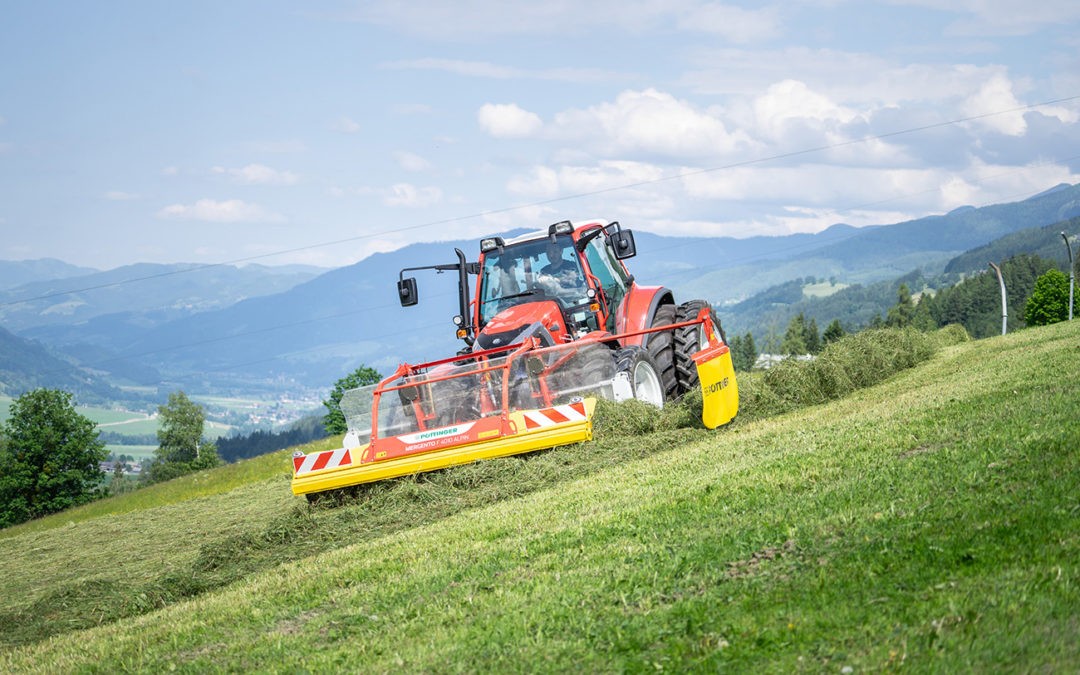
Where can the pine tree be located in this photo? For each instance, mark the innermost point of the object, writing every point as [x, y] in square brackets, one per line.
[794, 343]
[812, 337]
[833, 332]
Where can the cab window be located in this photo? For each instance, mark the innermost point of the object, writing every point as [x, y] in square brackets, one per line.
[607, 269]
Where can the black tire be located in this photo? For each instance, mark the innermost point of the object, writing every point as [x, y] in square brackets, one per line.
[661, 346]
[690, 340]
[575, 379]
[644, 374]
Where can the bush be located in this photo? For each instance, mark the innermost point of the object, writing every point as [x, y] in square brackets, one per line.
[852, 362]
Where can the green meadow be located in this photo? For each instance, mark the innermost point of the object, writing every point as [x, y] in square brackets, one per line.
[926, 520]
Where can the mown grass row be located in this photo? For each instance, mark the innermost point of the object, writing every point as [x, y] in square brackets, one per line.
[928, 524]
[245, 521]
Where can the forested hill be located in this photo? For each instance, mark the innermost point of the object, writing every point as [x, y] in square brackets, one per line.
[1045, 242]
[1023, 255]
[25, 365]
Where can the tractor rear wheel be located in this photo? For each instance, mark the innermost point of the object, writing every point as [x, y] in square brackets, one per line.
[690, 340]
[643, 373]
[661, 346]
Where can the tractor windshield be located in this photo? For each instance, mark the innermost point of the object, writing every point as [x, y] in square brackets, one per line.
[530, 271]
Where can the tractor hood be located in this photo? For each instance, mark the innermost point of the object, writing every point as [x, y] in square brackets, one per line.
[514, 324]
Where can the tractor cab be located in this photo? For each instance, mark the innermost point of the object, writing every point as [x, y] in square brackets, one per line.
[569, 280]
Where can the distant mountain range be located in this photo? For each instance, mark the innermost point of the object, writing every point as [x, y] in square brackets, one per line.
[255, 327]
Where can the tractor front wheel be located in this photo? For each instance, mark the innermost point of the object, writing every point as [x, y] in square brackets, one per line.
[644, 375]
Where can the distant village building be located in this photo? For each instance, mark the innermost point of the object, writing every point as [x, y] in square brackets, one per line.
[130, 468]
[766, 361]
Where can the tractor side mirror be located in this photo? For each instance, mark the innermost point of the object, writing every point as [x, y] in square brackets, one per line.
[622, 242]
[407, 292]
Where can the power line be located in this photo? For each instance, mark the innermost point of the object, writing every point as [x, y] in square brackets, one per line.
[363, 310]
[553, 200]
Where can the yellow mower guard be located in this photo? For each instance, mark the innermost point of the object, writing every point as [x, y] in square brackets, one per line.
[527, 436]
[719, 389]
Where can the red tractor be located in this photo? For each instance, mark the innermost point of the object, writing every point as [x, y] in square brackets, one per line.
[556, 322]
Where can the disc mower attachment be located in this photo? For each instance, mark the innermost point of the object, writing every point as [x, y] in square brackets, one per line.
[498, 402]
[446, 413]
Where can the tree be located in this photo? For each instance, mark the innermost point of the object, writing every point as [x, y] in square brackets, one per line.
[922, 319]
[736, 349]
[833, 332]
[743, 352]
[794, 342]
[181, 447]
[749, 351]
[901, 314]
[334, 421]
[812, 337]
[1049, 301]
[50, 456]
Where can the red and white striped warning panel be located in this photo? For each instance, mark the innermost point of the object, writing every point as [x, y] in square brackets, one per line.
[547, 417]
[328, 459]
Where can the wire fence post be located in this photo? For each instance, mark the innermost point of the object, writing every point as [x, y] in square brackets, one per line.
[1004, 302]
[1072, 273]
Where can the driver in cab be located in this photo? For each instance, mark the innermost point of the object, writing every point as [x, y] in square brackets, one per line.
[561, 277]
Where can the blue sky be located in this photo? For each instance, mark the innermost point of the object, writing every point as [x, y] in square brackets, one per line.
[223, 131]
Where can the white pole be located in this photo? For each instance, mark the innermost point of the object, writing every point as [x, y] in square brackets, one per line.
[1004, 306]
[1072, 274]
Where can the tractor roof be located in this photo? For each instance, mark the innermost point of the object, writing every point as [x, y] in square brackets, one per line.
[542, 234]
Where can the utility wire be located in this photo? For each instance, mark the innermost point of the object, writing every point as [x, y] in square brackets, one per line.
[671, 275]
[554, 200]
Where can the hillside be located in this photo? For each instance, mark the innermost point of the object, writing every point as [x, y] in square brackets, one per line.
[1045, 242]
[25, 365]
[137, 295]
[928, 522]
[18, 272]
[768, 312]
[309, 334]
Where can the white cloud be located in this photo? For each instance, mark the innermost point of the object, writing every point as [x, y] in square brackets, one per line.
[545, 182]
[213, 211]
[734, 24]
[508, 120]
[120, 196]
[790, 103]
[412, 162]
[983, 18]
[408, 195]
[170, 171]
[994, 96]
[651, 122]
[344, 125]
[258, 174]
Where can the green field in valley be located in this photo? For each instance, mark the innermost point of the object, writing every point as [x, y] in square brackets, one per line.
[929, 523]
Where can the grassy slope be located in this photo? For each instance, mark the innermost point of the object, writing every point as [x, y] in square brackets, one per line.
[930, 522]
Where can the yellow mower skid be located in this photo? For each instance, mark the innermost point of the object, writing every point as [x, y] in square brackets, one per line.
[529, 430]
